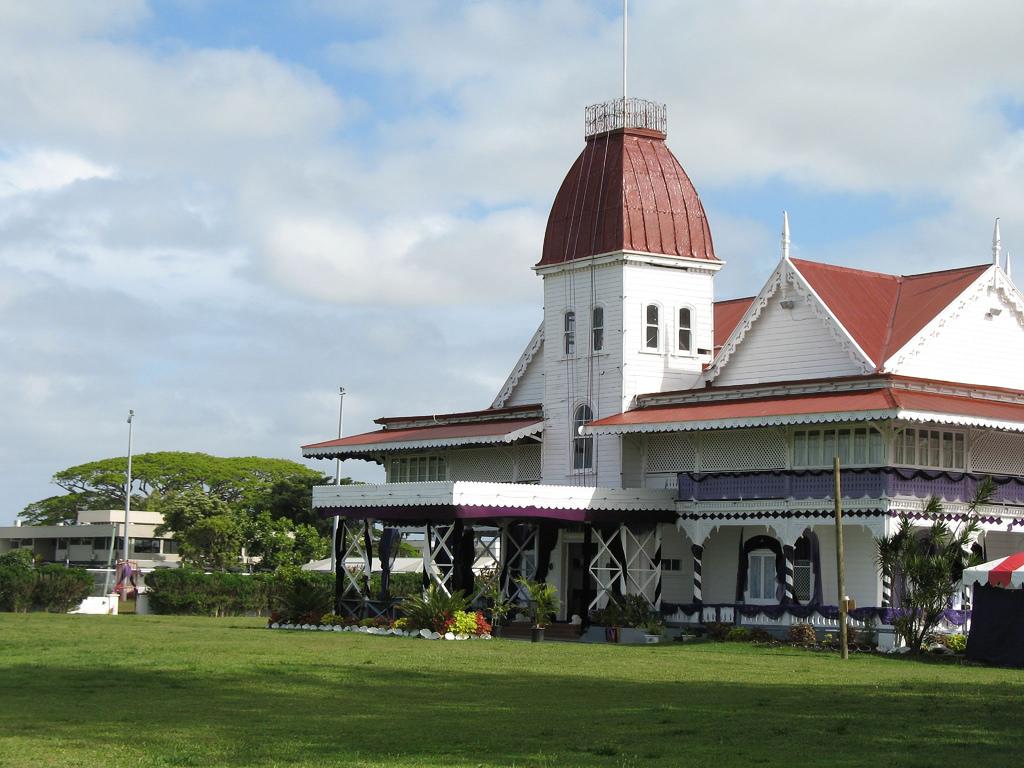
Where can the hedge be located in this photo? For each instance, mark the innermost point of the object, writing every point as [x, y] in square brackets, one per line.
[190, 591]
[47, 588]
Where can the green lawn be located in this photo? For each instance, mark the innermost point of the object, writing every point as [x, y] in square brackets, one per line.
[168, 691]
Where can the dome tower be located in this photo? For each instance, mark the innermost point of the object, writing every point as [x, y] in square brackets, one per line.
[628, 266]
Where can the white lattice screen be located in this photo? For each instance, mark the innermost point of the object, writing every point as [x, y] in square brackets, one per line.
[742, 449]
[528, 459]
[487, 465]
[999, 452]
[670, 453]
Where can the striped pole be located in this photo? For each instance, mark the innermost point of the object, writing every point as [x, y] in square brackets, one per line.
[886, 588]
[789, 592]
[657, 566]
[698, 554]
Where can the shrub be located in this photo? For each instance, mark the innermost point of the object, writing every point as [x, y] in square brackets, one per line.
[400, 623]
[543, 599]
[332, 619]
[738, 635]
[59, 589]
[956, 643]
[625, 611]
[802, 634]
[433, 610]
[302, 597]
[483, 627]
[190, 591]
[761, 636]
[17, 580]
[463, 623]
[718, 630]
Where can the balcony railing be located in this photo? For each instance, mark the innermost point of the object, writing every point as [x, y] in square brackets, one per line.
[874, 483]
[625, 113]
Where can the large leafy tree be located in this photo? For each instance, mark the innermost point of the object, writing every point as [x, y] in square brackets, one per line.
[242, 481]
[930, 563]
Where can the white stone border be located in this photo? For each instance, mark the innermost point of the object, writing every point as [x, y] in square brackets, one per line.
[426, 634]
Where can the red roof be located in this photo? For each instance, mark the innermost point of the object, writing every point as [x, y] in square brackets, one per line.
[626, 191]
[495, 430]
[888, 396]
[883, 312]
[727, 315]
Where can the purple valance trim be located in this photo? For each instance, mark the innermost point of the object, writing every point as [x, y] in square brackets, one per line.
[775, 612]
[418, 514]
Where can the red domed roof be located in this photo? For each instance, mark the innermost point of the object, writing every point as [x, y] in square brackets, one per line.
[627, 191]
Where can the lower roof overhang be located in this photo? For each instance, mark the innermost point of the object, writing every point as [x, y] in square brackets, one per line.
[449, 501]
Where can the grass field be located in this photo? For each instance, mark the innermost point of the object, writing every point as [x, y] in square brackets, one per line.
[168, 691]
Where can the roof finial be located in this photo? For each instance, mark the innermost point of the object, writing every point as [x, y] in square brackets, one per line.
[625, 48]
[785, 235]
[997, 243]
[1009, 267]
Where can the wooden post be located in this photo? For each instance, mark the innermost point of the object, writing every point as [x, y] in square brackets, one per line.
[844, 650]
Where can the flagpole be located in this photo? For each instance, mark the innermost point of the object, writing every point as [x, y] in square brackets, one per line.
[337, 480]
[128, 487]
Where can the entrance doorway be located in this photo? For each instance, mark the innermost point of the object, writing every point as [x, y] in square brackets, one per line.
[577, 574]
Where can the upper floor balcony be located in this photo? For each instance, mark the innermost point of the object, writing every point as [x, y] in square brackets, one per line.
[867, 482]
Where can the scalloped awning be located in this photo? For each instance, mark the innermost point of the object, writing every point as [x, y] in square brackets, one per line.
[438, 436]
[819, 407]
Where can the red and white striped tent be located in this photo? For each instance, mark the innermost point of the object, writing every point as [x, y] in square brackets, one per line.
[1005, 572]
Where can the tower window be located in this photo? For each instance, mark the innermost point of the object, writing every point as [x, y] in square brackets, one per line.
[582, 445]
[685, 330]
[570, 333]
[597, 329]
[652, 327]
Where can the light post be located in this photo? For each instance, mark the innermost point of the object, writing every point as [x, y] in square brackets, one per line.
[337, 481]
[128, 486]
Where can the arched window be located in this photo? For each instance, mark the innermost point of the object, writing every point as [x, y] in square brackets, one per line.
[652, 327]
[582, 445]
[597, 329]
[685, 330]
[570, 333]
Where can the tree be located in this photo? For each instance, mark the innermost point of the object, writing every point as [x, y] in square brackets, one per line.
[292, 498]
[213, 543]
[100, 484]
[930, 566]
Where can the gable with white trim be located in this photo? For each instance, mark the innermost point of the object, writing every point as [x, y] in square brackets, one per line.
[525, 384]
[787, 334]
[977, 339]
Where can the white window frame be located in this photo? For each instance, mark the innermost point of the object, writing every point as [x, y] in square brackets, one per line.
[420, 468]
[645, 325]
[934, 443]
[584, 442]
[691, 351]
[569, 333]
[765, 560]
[844, 439]
[595, 327]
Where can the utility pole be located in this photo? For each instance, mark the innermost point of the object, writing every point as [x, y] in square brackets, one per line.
[844, 649]
[128, 487]
[337, 481]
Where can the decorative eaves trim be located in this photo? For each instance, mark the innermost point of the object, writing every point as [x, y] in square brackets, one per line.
[786, 274]
[513, 495]
[631, 257]
[752, 421]
[983, 285]
[405, 445]
[922, 417]
[532, 348]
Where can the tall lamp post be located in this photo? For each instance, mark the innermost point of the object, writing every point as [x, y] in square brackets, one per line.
[337, 481]
[128, 486]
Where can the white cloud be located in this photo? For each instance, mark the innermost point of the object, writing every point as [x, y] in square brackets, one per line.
[42, 170]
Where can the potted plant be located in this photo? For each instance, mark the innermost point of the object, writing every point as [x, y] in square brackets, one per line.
[544, 601]
[653, 629]
[500, 606]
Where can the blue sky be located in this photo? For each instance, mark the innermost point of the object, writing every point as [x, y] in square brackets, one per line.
[217, 212]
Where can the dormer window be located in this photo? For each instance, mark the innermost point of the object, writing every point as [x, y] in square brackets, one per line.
[652, 327]
[685, 330]
[570, 333]
[597, 329]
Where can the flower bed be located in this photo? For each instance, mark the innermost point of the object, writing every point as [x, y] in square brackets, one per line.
[461, 625]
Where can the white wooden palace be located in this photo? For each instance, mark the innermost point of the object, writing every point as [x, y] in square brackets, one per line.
[655, 441]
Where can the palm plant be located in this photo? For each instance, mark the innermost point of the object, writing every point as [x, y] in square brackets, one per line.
[931, 566]
[433, 608]
[544, 599]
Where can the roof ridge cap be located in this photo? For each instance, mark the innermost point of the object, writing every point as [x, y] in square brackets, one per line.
[884, 354]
